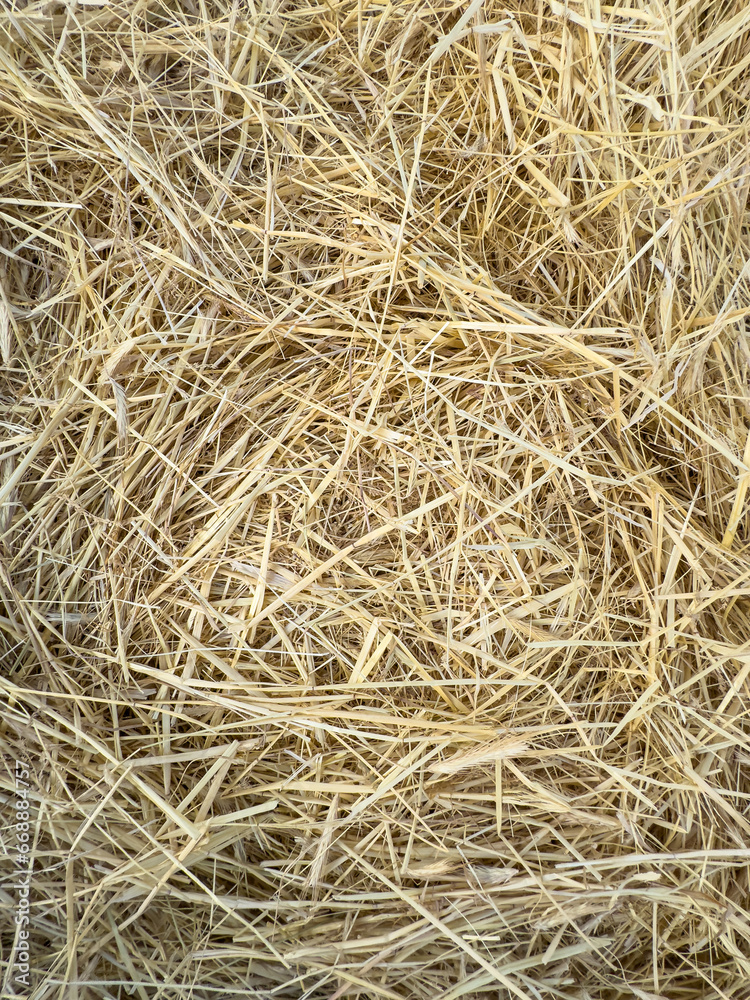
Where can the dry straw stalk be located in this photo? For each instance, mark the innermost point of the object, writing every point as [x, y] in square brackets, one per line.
[374, 467]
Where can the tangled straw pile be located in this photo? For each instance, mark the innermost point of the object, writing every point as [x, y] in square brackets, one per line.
[375, 548]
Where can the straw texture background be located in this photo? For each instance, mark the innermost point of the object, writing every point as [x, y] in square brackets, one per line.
[374, 540]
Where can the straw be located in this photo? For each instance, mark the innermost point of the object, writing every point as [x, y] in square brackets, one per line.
[374, 469]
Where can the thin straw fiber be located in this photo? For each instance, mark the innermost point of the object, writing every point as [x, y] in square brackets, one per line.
[374, 468]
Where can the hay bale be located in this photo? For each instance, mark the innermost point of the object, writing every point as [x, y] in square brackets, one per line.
[375, 563]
